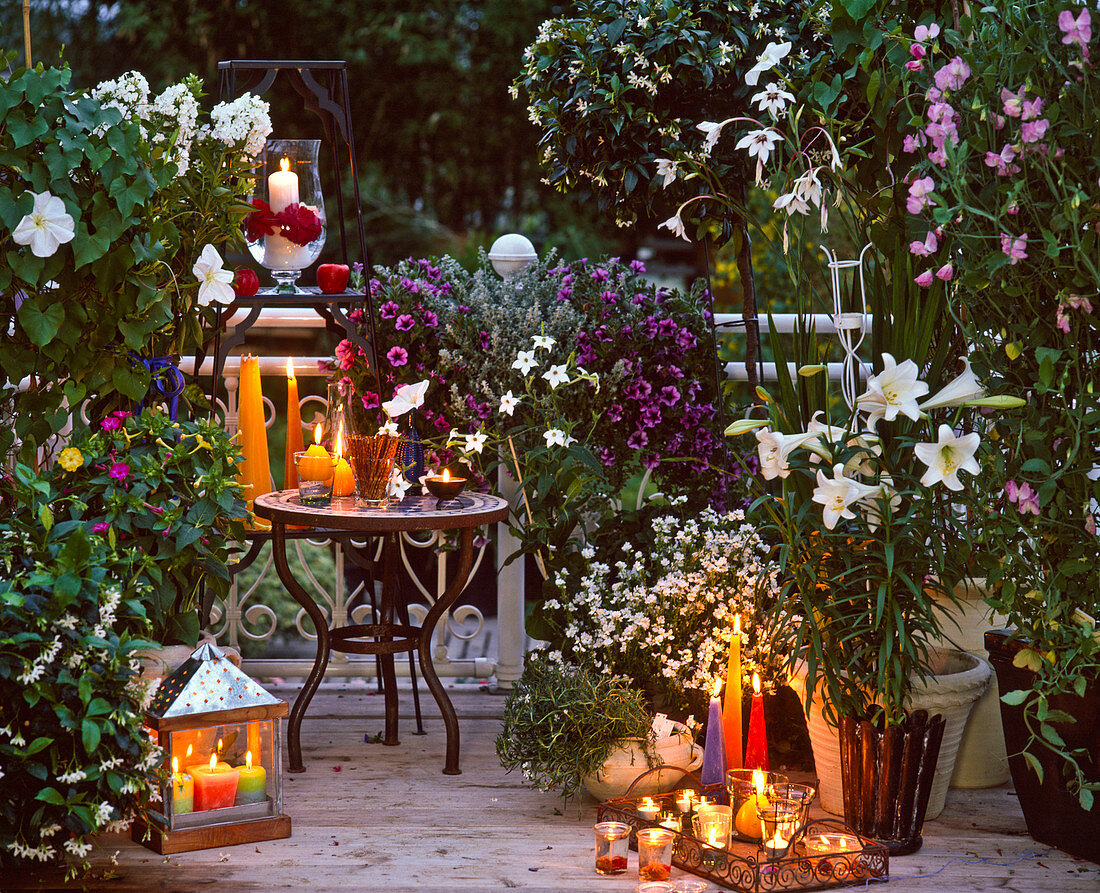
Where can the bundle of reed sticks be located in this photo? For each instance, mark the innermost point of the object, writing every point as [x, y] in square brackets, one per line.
[371, 457]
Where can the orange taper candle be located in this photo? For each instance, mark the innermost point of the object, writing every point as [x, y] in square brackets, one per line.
[294, 442]
[731, 704]
[255, 473]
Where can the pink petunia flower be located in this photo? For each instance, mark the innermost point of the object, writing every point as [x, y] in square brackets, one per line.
[1015, 248]
[953, 75]
[924, 279]
[1033, 131]
[397, 356]
[919, 190]
[111, 423]
[945, 273]
[119, 471]
[1077, 31]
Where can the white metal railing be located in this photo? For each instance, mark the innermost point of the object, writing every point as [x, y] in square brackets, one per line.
[823, 323]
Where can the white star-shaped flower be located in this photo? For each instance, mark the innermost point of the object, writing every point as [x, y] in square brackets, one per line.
[760, 143]
[508, 403]
[46, 227]
[556, 375]
[767, 60]
[543, 341]
[525, 361]
[556, 436]
[215, 282]
[475, 442]
[399, 485]
[947, 457]
[893, 390]
[389, 428]
[406, 397]
[773, 99]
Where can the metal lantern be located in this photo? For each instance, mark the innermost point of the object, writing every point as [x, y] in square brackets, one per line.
[222, 734]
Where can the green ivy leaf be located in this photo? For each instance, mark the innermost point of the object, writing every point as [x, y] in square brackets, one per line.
[40, 323]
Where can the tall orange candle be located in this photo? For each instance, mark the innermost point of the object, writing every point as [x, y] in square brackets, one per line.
[255, 473]
[731, 704]
[294, 442]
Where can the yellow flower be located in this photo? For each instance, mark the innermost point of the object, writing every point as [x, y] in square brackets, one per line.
[70, 459]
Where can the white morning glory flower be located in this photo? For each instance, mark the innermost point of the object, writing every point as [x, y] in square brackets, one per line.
[893, 390]
[772, 99]
[406, 397]
[525, 361]
[508, 403]
[46, 227]
[543, 341]
[215, 282]
[947, 457]
[767, 60]
[475, 442]
[556, 375]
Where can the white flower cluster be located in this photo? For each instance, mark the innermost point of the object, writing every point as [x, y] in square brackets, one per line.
[112, 596]
[129, 94]
[176, 110]
[41, 853]
[72, 777]
[245, 122]
[43, 660]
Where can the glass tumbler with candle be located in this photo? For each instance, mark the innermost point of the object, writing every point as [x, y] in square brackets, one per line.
[286, 230]
[612, 846]
[712, 826]
[779, 821]
[747, 791]
[802, 793]
[655, 853]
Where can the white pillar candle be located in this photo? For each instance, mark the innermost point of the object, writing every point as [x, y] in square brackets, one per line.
[282, 187]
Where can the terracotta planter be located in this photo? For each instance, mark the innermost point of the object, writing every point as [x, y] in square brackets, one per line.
[962, 679]
[628, 761]
[1054, 815]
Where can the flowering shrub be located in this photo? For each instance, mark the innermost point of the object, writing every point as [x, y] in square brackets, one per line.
[74, 757]
[1005, 181]
[657, 609]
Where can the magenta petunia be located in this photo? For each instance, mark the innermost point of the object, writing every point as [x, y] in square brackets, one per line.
[119, 471]
[404, 322]
[397, 356]
[101, 527]
[111, 423]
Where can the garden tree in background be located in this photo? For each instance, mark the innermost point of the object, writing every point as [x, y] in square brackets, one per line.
[439, 139]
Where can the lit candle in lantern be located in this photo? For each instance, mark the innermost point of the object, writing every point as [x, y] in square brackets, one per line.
[343, 483]
[714, 751]
[294, 442]
[731, 704]
[756, 747]
[255, 472]
[684, 801]
[647, 809]
[251, 782]
[183, 790]
[776, 847]
[215, 787]
[282, 187]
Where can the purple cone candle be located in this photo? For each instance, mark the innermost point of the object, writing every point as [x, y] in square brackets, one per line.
[714, 752]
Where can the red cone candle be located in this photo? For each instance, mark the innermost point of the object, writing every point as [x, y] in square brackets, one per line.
[756, 747]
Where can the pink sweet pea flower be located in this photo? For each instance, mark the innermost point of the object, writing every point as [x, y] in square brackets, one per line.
[953, 75]
[1030, 108]
[1077, 31]
[914, 65]
[1001, 161]
[945, 273]
[919, 190]
[1025, 498]
[924, 279]
[913, 142]
[1013, 102]
[916, 51]
[926, 32]
[1015, 248]
[925, 248]
[1061, 321]
[1033, 131]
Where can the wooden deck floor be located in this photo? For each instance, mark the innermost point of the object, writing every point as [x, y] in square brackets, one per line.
[374, 818]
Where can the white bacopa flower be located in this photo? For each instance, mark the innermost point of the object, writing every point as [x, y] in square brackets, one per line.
[767, 60]
[556, 375]
[772, 99]
[666, 168]
[760, 143]
[215, 282]
[676, 226]
[893, 390]
[406, 397]
[949, 455]
[475, 442]
[525, 361]
[508, 403]
[46, 227]
[543, 341]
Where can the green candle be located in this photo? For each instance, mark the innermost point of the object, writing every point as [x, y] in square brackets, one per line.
[252, 782]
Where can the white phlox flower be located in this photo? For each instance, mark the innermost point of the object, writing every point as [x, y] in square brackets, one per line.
[46, 227]
[215, 282]
[947, 457]
[893, 390]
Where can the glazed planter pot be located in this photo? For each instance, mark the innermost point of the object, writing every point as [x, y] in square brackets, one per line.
[627, 761]
[960, 680]
[1053, 814]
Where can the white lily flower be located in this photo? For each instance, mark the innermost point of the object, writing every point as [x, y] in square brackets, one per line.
[947, 457]
[872, 502]
[46, 227]
[475, 442]
[893, 390]
[525, 361]
[666, 168]
[215, 282]
[713, 130]
[767, 60]
[760, 143]
[543, 341]
[837, 494]
[744, 426]
[406, 397]
[772, 99]
[508, 403]
[773, 448]
[676, 226]
[556, 375]
[959, 390]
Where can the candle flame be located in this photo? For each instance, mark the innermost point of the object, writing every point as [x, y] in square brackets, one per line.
[713, 832]
[317, 433]
[219, 745]
[717, 688]
[647, 802]
[284, 164]
[338, 447]
[188, 751]
[213, 761]
[756, 683]
[248, 759]
[446, 475]
[175, 766]
[758, 780]
[737, 624]
[290, 368]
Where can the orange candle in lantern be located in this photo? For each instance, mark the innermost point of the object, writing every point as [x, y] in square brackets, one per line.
[216, 786]
[756, 747]
[731, 704]
[294, 442]
[255, 472]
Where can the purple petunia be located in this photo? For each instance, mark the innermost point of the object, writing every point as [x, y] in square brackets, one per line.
[637, 440]
[111, 423]
[397, 356]
[685, 339]
[484, 340]
[670, 395]
[389, 310]
[429, 319]
[600, 274]
[637, 266]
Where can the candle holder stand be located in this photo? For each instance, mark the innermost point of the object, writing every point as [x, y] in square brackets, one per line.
[208, 708]
[746, 867]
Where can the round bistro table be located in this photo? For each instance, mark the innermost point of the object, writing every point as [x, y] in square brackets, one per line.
[385, 638]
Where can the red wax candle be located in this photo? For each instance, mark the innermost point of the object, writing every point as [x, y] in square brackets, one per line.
[215, 787]
[756, 747]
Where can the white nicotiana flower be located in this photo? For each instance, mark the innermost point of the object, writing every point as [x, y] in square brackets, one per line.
[893, 390]
[390, 428]
[543, 341]
[760, 143]
[556, 436]
[405, 398]
[767, 60]
[46, 227]
[508, 403]
[556, 375]
[215, 282]
[666, 168]
[475, 442]
[772, 99]
[399, 485]
[947, 457]
[525, 361]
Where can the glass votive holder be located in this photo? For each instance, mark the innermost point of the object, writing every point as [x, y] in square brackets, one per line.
[832, 853]
[655, 854]
[803, 793]
[779, 820]
[654, 887]
[689, 885]
[648, 809]
[612, 846]
[747, 790]
[685, 801]
[670, 820]
[316, 473]
[712, 827]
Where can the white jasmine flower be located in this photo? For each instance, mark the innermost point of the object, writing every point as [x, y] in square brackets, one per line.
[772, 99]
[893, 390]
[556, 375]
[215, 282]
[508, 403]
[46, 227]
[405, 398]
[77, 848]
[525, 361]
[72, 777]
[948, 456]
[767, 60]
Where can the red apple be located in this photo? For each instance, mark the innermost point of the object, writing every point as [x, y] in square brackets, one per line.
[246, 283]
[333, 278]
